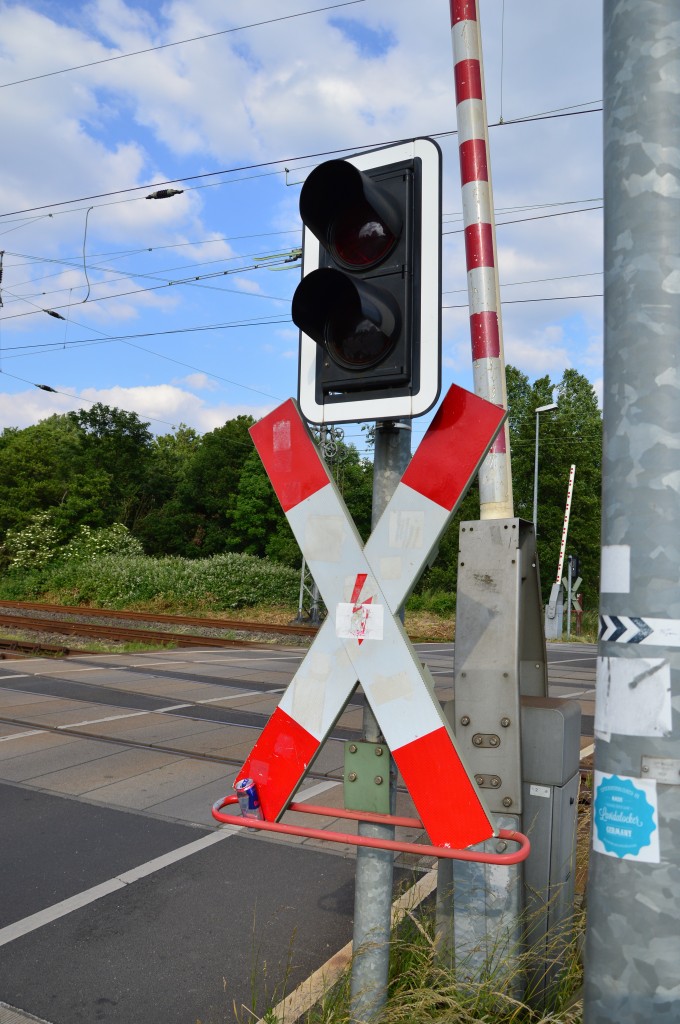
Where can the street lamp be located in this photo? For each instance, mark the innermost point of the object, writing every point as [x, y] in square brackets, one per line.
[541, 408]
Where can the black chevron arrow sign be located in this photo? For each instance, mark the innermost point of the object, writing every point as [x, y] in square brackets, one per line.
[630, 629]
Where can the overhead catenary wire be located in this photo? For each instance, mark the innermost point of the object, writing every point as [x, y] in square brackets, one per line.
[198, 278]
[281, 162]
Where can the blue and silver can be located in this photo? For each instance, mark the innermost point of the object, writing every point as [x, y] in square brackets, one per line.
[248, 800]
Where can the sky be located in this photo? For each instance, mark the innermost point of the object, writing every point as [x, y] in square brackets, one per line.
[178, 309]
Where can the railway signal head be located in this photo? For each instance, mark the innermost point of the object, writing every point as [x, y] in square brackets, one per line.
[368, 305]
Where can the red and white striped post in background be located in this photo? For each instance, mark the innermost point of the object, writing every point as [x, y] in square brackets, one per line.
[565, 527]
[495, 480]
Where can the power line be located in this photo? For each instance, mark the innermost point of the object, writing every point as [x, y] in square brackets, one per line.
[263, 259]
[178, 42]
[42, 347]
[198, 278]
[530, 119]
[525, 220]
[547, 298]
[536, 280]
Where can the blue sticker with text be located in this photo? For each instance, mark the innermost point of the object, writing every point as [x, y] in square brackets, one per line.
[624, 817]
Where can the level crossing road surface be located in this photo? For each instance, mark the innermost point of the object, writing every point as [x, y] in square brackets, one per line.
[122, 899]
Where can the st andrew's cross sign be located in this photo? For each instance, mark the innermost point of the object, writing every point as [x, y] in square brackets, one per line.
[362, 639]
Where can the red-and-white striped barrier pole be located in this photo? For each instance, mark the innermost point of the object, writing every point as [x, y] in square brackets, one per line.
[565, 528]
[495, 479]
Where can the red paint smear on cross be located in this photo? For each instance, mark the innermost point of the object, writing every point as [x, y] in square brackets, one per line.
[356, 604]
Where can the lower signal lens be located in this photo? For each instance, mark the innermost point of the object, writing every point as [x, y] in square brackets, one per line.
[360, 346]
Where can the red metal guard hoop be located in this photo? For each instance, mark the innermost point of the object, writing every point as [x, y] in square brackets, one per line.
[381, 844]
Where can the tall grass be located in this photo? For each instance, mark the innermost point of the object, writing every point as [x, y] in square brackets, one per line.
[423, 990]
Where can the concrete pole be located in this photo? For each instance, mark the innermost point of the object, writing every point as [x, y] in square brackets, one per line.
[633, 939]
[486, 333]
[374, 872]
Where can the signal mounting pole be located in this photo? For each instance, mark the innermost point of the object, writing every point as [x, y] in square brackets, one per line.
[369, 312]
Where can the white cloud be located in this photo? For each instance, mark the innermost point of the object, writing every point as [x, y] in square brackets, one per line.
[277, 91]
[199, 382]
[165, 406]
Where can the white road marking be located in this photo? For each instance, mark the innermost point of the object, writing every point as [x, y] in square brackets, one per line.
[96, 892]
[20, 735]
[82, 899]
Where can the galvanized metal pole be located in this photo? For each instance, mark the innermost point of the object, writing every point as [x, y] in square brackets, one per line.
[374, 871]
[486, 333]
[633, 938]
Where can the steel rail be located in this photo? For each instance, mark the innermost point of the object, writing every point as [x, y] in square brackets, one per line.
[195, 755]
[178, 620]
[106, 631]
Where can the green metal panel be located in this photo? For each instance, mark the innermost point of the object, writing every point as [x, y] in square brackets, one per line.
[367, 777]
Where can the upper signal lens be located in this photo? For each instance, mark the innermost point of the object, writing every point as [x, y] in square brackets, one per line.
[360, 238]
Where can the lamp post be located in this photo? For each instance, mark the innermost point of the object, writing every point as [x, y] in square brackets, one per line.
[541, 408]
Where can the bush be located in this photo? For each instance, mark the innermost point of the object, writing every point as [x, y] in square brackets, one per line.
[435, 603]
[120, 581]
[109, 540]
[34, 545]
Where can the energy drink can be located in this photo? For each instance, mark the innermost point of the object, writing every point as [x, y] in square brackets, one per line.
[248, 800]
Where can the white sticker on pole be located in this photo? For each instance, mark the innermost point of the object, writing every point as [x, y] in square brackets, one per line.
[626, 818]
[633, 697]
[615, 569]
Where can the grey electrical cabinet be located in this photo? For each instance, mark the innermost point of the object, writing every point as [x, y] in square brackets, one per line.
[551, 730]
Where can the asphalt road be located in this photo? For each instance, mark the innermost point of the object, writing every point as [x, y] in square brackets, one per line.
[122, 899]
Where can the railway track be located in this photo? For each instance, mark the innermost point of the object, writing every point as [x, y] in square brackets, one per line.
[177, 620]
[67, 620]
[160, 748]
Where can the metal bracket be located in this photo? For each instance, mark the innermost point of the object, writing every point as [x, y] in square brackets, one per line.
[502, 835]
[489, 781]
[486, 739]
[665, 770]
[367, 777]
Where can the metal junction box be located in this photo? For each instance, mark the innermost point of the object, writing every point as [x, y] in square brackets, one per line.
[551, 732]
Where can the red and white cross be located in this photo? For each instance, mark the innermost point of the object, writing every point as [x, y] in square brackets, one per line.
[362, 639]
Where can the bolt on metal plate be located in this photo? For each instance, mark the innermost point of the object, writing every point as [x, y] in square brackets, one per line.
[366, 775]
[486, 739]
[665, 770]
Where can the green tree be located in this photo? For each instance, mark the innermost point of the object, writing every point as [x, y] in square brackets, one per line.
[171, 522]
[43, 467]
[117, 444]
[571, 434]
[208, 492]
[258, 524]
